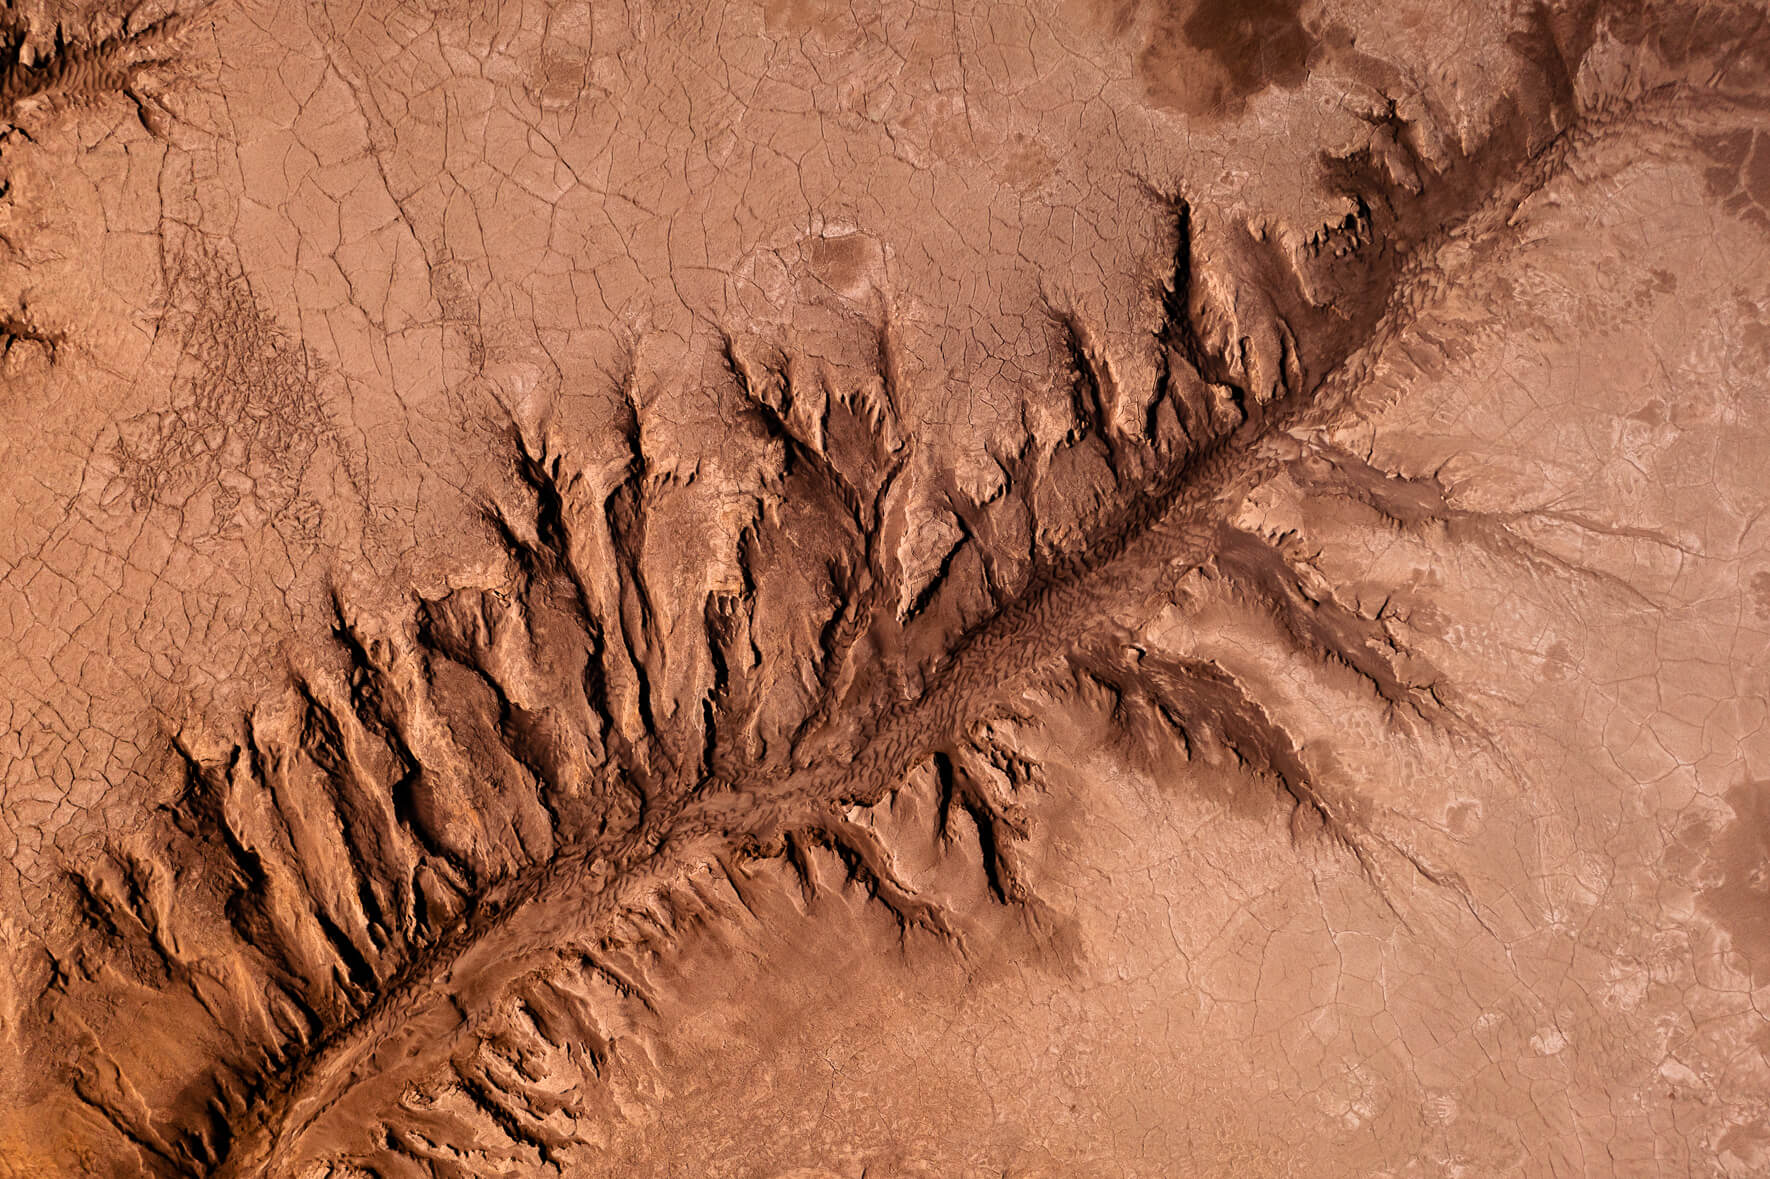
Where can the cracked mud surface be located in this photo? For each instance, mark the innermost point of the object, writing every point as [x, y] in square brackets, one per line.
[808, 591]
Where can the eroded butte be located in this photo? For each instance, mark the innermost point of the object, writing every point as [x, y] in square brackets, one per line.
[821, 591]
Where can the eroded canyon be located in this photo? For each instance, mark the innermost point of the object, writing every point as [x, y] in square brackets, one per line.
[821, 591]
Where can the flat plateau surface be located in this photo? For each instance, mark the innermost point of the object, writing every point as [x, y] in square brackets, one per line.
[1151, 588]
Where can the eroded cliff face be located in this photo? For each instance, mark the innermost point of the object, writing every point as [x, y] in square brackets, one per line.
[814, 590]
